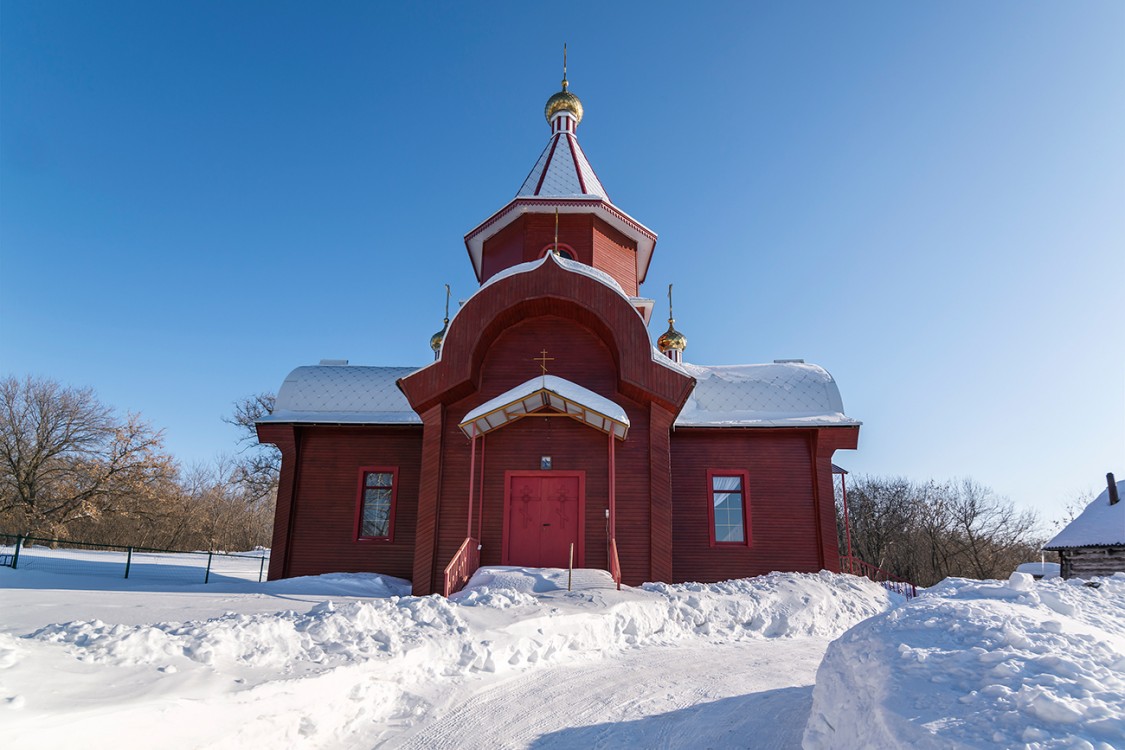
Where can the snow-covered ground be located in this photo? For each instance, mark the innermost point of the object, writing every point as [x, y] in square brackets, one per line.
[351, 661]
[515, 660]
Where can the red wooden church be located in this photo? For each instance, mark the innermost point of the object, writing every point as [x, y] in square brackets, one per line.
[549, 422]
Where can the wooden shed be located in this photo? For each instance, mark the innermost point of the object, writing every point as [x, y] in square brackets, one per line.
[1093, 544]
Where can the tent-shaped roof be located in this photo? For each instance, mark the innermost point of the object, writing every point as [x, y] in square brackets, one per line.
[1100, 525]
[562, 171]
[547, 392]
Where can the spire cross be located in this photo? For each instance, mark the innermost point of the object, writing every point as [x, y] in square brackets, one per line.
[543, 360]
[564, 83]
[447, 303]
[671, 318]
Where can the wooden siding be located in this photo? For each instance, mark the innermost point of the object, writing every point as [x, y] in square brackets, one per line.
[284, 437]
[548, 290]
[424, 578]
[615, 254]
[1084, 562]
[321, 524]
[581, 356]
[593, 241]
[660, 496]
[781, 499]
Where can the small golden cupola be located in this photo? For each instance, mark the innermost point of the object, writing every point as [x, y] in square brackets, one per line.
[439, 337]
[566, 103]
[672, 343]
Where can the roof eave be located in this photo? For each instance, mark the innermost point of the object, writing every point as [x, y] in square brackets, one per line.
[611, 214]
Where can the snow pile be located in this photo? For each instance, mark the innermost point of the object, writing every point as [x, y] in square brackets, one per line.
[777, 605]
[1036, 664]
[326, 634]
[1039, 569]
[341, 584]
[10, 651]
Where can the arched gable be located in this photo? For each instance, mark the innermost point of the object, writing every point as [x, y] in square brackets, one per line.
[550, 287]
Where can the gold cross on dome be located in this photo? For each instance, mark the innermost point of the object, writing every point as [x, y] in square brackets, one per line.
[543, 360]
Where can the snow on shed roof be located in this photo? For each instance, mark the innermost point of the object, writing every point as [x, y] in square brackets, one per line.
[1100, 525]
[782, 394]
[345, 394]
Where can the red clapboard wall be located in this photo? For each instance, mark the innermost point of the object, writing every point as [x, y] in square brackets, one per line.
[320, 527]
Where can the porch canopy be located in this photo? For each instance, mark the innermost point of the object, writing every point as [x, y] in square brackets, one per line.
[561, 396]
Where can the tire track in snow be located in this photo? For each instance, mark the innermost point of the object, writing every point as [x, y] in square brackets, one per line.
[750, 693]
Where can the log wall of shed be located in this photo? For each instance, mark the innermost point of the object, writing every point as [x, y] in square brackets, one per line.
[1084, 562]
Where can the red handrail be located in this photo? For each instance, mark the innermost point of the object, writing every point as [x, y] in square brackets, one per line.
[614, 563]
[462, 566]
[858, 567]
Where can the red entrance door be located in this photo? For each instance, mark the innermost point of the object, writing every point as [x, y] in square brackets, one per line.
[544, 517]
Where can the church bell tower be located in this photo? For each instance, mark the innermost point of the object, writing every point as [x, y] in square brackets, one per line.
[562, 197]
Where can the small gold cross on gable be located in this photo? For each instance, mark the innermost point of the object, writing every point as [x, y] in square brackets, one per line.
[543, 360]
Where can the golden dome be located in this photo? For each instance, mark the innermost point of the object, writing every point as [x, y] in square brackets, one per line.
[671, 339]
[564, 100]
[437, 339]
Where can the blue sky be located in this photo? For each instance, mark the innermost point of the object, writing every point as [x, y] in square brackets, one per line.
[928, 199]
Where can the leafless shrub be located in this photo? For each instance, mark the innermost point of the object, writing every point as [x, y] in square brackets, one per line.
[924, 532]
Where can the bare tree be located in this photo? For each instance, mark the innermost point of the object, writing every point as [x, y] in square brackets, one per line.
[257, 466]
[65, 457]
[992, 534]
[926, 532]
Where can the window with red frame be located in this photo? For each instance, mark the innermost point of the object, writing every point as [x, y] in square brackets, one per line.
[376, 511]
[730, 517]
[565, 251]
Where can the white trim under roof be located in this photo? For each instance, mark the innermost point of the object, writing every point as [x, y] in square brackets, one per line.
[643, 305]
[603, 209]
[547, 392]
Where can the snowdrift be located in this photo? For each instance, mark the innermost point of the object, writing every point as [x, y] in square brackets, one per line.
[353, 668]
[468, 632]
[971, 664]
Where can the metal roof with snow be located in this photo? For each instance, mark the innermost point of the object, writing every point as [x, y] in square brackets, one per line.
[343, 394]
[562, 171]
[773, 395]
[781, 394]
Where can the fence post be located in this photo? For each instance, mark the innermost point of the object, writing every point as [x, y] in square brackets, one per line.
[128, 562]
[570, 567]
[16, 554]
[261, 568]
[207, 575]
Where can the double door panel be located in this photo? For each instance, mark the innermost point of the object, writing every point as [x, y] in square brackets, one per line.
[544, 519]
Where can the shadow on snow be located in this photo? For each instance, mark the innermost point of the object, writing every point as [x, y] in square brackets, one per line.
[772, 719]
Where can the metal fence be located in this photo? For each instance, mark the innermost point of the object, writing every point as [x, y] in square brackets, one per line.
[24, 552]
